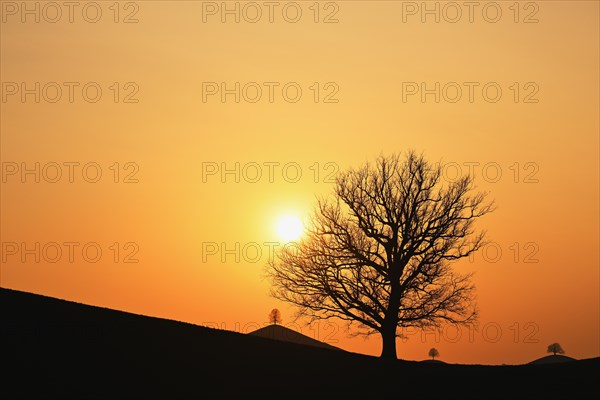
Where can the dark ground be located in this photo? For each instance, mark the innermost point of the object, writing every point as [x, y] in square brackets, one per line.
[58, 349]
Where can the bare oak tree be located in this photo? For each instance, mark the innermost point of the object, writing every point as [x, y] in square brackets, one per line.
[555, 348]
[275, 316]
[378, 254]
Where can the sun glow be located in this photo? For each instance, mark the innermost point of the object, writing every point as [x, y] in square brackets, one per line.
[289, 228]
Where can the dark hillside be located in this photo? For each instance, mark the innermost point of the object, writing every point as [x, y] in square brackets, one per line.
[54, 348]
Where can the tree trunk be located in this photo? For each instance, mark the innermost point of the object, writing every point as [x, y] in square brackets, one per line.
[390, 322]
[388, 337]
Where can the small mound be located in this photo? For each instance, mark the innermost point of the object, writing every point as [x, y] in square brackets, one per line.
[278, 332]
[552, 359]
[433, 361]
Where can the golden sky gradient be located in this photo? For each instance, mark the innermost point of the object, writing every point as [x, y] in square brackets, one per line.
[535, 148]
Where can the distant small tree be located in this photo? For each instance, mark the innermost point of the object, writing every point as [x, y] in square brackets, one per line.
[433, 353]
[275, 316]
[555, 348]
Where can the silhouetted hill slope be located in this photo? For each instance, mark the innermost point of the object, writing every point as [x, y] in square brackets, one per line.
[433, 361]
[552, 359]
[58, 349]
[278, 332]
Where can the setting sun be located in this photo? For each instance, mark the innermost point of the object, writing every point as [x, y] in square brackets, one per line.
[289, 228]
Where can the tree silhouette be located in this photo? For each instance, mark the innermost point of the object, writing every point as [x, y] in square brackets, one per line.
[433, 353]
[555, 348]
[378, 254]
[275, 316]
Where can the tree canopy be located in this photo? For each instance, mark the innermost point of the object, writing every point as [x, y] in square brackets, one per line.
[378, 253]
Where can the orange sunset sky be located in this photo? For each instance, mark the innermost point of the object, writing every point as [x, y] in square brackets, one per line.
[161, 132]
